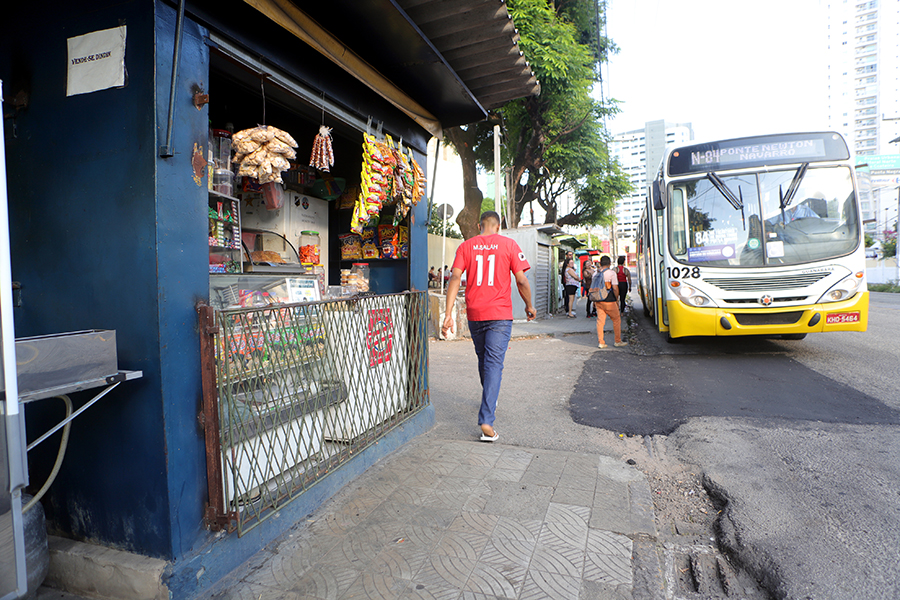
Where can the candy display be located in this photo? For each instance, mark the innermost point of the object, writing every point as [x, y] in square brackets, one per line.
[309, 247]
[263, 153]
[369, 237]
[388, 241]
[322, 156]
[389, 176]
[351, 246]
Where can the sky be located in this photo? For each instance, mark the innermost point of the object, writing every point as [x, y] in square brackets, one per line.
[729, 67]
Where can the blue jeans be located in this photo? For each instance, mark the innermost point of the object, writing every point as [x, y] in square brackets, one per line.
[491, 340]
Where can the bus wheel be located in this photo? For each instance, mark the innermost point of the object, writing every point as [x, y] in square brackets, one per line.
[670, 339]
[793, 336]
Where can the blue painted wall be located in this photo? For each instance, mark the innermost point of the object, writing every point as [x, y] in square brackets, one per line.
[83, 219]
[107, 235]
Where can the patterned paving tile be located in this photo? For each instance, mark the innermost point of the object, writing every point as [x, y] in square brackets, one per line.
[375, 586]
[508, 552]
[519, 457]
[563, 560]
[462, 544]
[518, 500]
[401, 560]
[470, 484]
[444, 571]
[455, 499]
[356, 550]
[548, 462]
[416, 496]
[438, 517]
[564, 535]
[517, 529]
[606, 568]
[606, 542]
[439, 467]
[494, 582]
[418, 534]
[423, 479]
[568, 513]
[481, 459]
[420, 591]
[594, 590]
[581, 482]
[541, 586]
[474, 522]
[325, 582]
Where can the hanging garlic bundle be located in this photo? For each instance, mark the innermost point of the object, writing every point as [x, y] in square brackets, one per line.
[322, 156]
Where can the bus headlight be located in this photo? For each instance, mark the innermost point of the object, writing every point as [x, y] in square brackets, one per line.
[844, 289]
[689, 294]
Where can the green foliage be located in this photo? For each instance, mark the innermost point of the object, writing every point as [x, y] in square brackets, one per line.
[436, 225]
[889, 247]
[893, 287]
[555, 144]
[869, 240]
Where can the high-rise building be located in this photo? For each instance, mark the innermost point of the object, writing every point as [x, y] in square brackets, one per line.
[864, 73]
[864, 90]
[639, 153]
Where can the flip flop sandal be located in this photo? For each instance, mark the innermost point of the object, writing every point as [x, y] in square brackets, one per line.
[487, 438]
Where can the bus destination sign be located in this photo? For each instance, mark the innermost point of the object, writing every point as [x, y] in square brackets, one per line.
[758, 151]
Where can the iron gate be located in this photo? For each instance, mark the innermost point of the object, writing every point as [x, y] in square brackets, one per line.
[293, 391]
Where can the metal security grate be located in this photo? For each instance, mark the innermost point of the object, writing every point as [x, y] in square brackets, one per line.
[761, 284]
[301, 388]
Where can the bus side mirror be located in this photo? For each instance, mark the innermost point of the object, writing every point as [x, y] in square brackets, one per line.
[659, 203]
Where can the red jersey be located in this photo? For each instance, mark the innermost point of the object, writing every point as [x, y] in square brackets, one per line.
[487, 261]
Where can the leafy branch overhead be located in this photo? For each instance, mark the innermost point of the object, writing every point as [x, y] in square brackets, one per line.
[555, 144]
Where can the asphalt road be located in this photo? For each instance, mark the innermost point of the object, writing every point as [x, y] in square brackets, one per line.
[797, 439]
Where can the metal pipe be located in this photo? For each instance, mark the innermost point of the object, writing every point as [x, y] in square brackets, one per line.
[165, 151]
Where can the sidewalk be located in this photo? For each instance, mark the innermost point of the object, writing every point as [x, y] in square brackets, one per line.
[460, 519]
[456, 518]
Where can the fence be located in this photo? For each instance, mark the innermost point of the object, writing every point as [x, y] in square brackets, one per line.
[293, 391]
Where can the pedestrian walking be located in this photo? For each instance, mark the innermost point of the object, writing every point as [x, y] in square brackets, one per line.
[487, 259]
[624, 277]
[604, 293]
[562, 278]
[587, 276]
[570, 280]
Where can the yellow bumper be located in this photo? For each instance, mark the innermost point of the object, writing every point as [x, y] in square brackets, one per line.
[687, 320]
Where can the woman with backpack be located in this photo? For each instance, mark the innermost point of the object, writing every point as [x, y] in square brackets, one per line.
[624, 277]
[587, 275]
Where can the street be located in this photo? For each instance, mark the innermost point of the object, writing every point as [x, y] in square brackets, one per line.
[796, 441]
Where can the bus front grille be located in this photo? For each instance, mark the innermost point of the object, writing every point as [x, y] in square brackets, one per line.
[756, 300]
[781, 318]
[765, 284]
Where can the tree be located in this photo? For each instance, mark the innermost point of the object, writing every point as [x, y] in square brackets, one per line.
[436, 224]
[555, 144]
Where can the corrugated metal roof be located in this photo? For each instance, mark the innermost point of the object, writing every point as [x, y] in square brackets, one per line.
[457, 58]
[479, 40]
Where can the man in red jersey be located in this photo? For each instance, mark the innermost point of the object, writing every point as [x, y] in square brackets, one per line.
[487, 260]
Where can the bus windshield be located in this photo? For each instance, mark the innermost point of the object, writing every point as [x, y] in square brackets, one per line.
[785, 217]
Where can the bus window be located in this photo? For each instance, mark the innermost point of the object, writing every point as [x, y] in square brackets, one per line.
[679, 248]
[715, 221]
[820, 221]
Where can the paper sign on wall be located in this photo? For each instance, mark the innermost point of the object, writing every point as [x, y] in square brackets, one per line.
[96, 61]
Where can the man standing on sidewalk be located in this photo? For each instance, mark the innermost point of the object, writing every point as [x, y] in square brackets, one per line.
[487, 259]
[606, 282]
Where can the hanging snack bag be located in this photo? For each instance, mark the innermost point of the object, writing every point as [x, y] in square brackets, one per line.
[370, 243]
[388, 241]
[351, 246]
[403, 235]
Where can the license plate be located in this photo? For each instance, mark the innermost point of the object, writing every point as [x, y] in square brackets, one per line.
[834, 318]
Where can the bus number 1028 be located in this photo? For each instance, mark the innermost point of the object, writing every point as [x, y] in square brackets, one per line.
[683, 272]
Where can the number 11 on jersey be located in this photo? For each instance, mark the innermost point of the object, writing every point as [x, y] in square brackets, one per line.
[479, 277]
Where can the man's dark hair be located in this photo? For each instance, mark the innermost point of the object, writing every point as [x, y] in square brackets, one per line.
[604, 261]
[488, 216]
[621, 260]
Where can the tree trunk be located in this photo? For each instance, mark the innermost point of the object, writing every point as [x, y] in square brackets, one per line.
[469, 217]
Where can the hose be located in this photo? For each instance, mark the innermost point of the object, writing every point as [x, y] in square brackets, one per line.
[59, 456]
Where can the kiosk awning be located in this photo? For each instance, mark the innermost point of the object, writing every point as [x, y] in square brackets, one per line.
[442, 63]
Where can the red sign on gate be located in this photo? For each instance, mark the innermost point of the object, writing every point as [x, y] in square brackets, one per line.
[380, 338]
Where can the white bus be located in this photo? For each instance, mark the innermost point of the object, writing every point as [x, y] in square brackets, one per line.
[754, 236]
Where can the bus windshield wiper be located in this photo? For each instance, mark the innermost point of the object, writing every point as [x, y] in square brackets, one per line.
[736, 201]
[786, 199]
